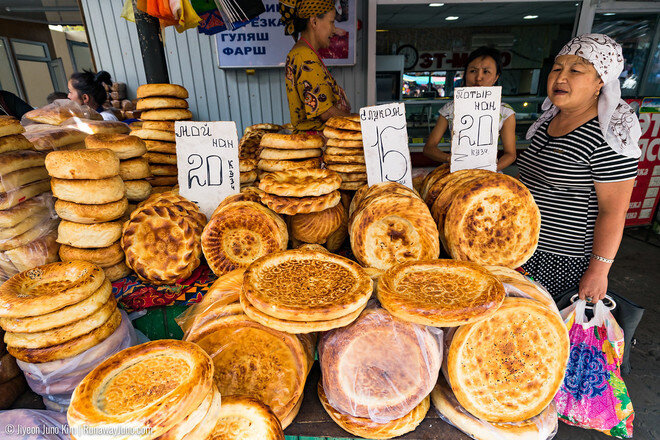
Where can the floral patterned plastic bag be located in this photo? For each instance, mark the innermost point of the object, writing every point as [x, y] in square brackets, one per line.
[593, 395]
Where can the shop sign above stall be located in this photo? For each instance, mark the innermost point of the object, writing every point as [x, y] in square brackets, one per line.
[440, 59]
[475, 128]
[207, 160]
[385, 140]
[262, 43]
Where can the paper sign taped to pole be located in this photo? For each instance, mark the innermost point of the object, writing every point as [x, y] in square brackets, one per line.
[385, 141]
[475, 128]
[207, 161]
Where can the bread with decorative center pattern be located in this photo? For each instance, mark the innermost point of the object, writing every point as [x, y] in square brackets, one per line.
[316, 227]
[300, 205]
[300, 183]
[246, 418]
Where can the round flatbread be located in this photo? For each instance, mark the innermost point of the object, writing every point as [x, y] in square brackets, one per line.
[432, 177]
[291, 141]
[335, 159]
[347, 168]
[342, 143]
[17, 179]
[102, 257]
[171, 90]
[13, 216]
[162, 170]
[15, 142]
[273, 154]
[160, 146]
[338, 151]
[346, 135]
[246, 418]
[353, 177]
[166, 114]
[300, 183]
[246, 165]
[10, 125]
[79, 213]
[300, 205]
[343, 123]
[125, 146]
[86, 236]
[351, 186]
[316, 227]
[89, 191]
[168, 181]
[133, 169]
[158, 125]
[200, 422]
[286, 165]
[82, 164]
[160, 102]
[154, 135]
[137, 190]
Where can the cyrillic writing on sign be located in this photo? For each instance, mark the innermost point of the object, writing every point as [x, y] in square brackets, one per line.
[207, 161]
[385, 140]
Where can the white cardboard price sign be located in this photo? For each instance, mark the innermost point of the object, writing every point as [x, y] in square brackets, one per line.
[385, 140]
[207, 161]
[475, 128]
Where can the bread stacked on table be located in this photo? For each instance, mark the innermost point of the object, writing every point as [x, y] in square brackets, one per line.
[12, 381]
[161, 106]
[286, 152]
[328, 227]
[249, 145]
[49, 138]
[388, 224]
[162, 238]
[27, 221]
[91, 200]
[344, 152]
[133, 166]
[248, 171]
[161, 389]
[240, 231]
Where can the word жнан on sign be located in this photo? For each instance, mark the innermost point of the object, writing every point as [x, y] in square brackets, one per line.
[385, 140]
[207, 161]
[475, 128]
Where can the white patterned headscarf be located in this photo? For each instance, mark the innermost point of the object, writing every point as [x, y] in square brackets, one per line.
[617, 119]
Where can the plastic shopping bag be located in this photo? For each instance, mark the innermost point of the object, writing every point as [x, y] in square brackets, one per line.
[593, 395]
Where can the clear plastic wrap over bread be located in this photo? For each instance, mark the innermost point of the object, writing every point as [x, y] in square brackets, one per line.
[35, 424]
[49, 138]
[540, 427]
[56, 380]
[91, 126]
[379, 367]
[59, 111]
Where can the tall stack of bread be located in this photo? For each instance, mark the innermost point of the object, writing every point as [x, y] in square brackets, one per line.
[248, 169]
[91, 199]
[133, 166]
[286, 152]
[344, 152]
[27, 220]
[161, 105]
[249, 145]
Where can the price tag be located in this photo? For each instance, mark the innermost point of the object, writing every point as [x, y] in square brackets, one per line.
[476, 128]
[385, 140]
[207, 161]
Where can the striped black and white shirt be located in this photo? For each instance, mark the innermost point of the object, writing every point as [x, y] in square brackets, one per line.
[560, 173]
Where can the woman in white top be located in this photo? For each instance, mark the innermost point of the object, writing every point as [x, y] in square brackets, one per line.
[484, 67]
[86, 88]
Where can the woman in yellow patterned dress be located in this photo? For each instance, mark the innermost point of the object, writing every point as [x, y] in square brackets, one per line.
[313, 94]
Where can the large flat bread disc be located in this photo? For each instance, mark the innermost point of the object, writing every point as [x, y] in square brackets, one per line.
[256, 361]
[300, 285]
[495, 221]
[440, 293]
[300, 205]
[300, 183]
[48, 288]
[152, 386]
[433, 177]
[367, 428]
[378, 367]
[246, 418]
[240, 233]
[210, 407]
[509, 367]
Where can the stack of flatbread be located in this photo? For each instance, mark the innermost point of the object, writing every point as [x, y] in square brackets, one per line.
[248, 171]
[57, 311]
[161, 389]
[300, 191]
[344, 152]
[485, 217]
[389, 224]
[377, 374]
[240, 231]
[286, 152]
[328, 227]
[251, 359]
[27, 221]
[249, 145]
[12, 381]
[305, 291]
[161, 105]
[48, 138]
[91, 199]
[516, 284]
[246, 418]
[162, 238]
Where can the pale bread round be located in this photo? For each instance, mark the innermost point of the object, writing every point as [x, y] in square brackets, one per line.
[347, 168]
[301, 285]
[167, 159]
[353, 177]
[125, 146]
[160, 102]
[137, 190]
[161, 89]
[246, 418]
[117, 271]
[300, 205]
[13, 181]
[184, 428]
[102, 257]
[133, 169]
[316, 227]
[10, 125]
[273, 165]
[479, 362]
[291, 141]
[300, 183]
[440, 293]
[86, 236]
[162, 170]
[273, 154]
[447, 184]
[166, 114]
[158, 125]
[289, 418]
[370, 192]
[80, 213]
[343, 123]
[161, 147]
[432, 177]
[48, 288]
[347, 135]
[15, 142]
[335, 159]
[342, 143]
[367, 428]
[82, 164]
[168, 181]
[89, 191]
[338, 151]
[154, 135]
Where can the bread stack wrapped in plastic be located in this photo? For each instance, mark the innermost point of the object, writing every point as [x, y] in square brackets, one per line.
[12, 381]
[161, 105]
[61, 320]
[91, 200]
[344, 152]
[27, 219]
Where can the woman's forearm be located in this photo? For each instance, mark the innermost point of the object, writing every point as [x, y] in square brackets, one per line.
[608, 233]
[333, 111]
[505, 160]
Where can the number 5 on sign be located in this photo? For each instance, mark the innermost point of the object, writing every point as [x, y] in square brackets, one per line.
[385, 141]
[207, 162]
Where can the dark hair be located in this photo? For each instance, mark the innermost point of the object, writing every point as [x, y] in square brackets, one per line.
[90, 83]
[300, 24]
[484, 51]
[55, 95]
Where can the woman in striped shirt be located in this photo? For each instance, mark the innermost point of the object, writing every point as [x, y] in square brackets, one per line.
[581, 167]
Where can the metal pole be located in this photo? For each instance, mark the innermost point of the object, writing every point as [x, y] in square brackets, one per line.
[151, 46]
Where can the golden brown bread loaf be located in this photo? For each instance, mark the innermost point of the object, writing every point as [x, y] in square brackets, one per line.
[82, 164]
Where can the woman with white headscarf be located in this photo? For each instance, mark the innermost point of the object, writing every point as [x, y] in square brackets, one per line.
[581, 167]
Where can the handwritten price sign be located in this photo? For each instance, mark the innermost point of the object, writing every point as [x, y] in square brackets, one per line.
[207, 162]
[385, 140]
[476, 128]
